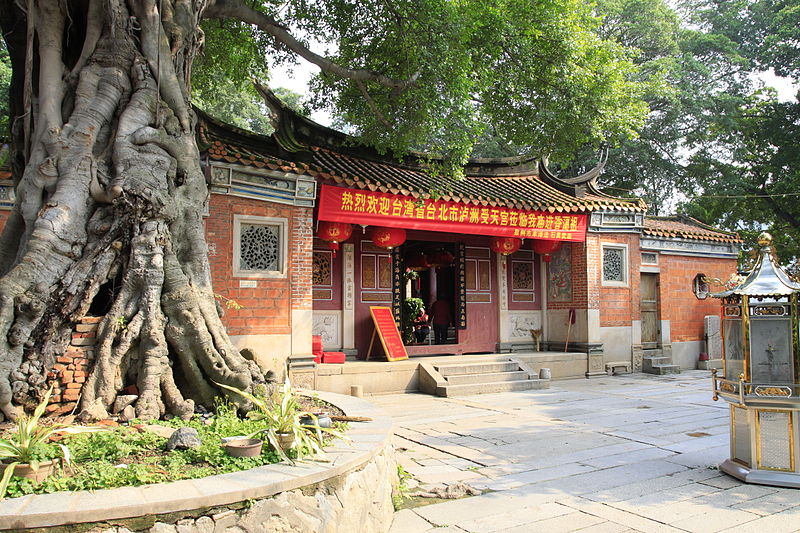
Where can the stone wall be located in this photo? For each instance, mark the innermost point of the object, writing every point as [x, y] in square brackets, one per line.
[359, 501]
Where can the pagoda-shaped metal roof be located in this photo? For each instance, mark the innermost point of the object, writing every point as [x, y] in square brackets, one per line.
[767, 278]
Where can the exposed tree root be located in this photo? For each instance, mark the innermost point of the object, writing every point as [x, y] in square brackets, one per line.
[114, 189]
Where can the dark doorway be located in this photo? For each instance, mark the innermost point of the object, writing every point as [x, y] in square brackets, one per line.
[429, 296]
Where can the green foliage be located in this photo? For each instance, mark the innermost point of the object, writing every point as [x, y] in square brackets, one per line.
[126, 456]
[539, 72]
[714, 141]
[223, 74]
[400, 492]
[743, 171]
[30, 443]
[281, 414]
[410, 312]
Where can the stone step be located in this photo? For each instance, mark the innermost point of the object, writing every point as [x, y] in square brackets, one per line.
[487, 388]
[653, 352]
[492, 377]
[649, 362]
[663, 369]
[476, 368]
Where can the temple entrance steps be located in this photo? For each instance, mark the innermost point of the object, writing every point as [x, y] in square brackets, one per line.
[464, 379]
[655, 362]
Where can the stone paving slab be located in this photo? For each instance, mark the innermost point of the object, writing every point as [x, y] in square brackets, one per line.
[610, 455]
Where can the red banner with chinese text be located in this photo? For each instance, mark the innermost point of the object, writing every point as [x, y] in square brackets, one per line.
[338, 204]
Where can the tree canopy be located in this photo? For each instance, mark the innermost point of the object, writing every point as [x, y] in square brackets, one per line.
[540, 73]
[716, 145]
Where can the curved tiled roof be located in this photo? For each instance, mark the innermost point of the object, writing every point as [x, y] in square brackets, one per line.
[524, 191]
[326, 155]
[686, 228]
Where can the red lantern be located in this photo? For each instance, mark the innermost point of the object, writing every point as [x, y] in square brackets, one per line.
[545, 247]
[441, 258]
[417, 262]
[388, 237]
[505, 245]
[333, 233]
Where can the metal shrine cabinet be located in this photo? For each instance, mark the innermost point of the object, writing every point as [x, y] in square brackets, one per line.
[761, 371]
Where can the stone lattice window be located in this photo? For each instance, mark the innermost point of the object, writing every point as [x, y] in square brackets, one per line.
[614, 264]
[259, 248]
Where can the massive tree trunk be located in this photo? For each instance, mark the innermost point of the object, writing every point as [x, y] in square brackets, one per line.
[112, 191]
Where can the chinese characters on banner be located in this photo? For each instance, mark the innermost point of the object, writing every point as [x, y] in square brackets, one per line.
[338, 204]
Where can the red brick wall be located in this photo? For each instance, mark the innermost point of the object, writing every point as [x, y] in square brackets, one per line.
[679, 305]
[301, 257]
[619, 305]
[266, 309]
[580, 294]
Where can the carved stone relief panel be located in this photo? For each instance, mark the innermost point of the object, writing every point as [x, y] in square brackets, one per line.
[327, 324]
[522, 322]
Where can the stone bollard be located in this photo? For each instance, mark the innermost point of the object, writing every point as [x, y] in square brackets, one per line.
[357, 391]
[544, 373]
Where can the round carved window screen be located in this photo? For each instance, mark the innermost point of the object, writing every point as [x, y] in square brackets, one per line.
[259, 247]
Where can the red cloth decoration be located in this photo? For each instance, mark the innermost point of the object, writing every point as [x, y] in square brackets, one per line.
[388, 237]
[333, 233]
[333, 357]
[505, 245]
[545, 247]
[316, 344]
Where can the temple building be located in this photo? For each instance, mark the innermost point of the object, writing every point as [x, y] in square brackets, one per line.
[307, 230]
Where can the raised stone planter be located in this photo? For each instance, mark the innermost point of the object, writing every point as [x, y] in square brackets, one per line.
[350, 492]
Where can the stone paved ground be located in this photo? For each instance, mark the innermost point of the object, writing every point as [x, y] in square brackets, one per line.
[624, 453]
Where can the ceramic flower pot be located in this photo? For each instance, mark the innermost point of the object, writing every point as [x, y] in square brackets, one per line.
[243, 447]
[45, 470]
[285, 440]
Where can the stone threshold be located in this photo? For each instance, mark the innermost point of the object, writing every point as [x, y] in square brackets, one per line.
[65, 508]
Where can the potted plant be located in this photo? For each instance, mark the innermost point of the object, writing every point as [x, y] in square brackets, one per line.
[285, 422]
[413, 308]
[28, 452]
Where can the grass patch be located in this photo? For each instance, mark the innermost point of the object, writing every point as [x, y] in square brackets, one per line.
[131, 455]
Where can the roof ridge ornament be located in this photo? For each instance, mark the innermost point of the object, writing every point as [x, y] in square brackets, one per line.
[580, 185]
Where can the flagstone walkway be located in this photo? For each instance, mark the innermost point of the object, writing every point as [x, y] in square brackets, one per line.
[624, 453]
